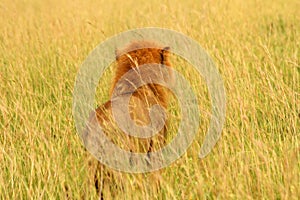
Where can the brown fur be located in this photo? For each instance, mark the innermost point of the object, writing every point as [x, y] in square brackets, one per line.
[140, 102]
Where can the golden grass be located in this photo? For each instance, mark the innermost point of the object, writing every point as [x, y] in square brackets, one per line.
[255, 46]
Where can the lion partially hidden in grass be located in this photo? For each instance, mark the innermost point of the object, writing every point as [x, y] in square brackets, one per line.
[130, 58]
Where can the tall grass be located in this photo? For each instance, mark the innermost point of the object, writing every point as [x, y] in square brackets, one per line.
[255, 46]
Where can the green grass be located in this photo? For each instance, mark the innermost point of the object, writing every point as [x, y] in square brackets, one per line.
[255, 45]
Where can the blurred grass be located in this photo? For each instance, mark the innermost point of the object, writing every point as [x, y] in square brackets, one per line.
[255, 45]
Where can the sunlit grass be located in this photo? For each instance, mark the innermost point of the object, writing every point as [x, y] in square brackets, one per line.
[255, 46]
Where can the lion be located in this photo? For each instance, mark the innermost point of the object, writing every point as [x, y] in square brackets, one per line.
[141, 99]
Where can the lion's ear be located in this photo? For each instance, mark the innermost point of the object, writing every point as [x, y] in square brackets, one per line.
[164, 53]
[117, 54]
[166, 48]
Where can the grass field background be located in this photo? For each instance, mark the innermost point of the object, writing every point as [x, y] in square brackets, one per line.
[255, 45]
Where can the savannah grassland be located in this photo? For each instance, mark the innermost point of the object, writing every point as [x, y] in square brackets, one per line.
[255, 45]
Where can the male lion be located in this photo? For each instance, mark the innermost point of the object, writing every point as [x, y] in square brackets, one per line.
[136, 54]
